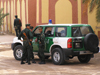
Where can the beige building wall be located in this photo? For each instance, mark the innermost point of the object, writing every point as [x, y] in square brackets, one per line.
[9, 27]
[27, 10]
[45, 11]
[63, 12]
[62, 9]
[92, 21]
[18, 8]
[1, 7]
[37, 10]
[12, 16]
[23, 14]
[5, 24]
[79, 11]
[1, 4]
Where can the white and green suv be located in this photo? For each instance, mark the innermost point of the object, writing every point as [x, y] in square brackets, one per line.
[63, 42]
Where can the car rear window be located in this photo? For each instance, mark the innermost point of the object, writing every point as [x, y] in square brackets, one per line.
[81, 31]
[61, 31]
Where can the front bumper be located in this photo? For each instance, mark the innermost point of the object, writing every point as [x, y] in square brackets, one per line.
[12, 46]
[71, 52]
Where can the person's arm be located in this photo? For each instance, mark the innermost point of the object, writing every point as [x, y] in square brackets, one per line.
[42, 39]
[31, 36]
[20, 22]
[19, 36]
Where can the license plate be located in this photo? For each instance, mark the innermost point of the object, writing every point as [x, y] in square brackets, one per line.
[77, 45]
[85, 52]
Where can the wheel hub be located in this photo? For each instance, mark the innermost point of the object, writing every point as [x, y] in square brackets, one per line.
[56, 57]
[19, 53]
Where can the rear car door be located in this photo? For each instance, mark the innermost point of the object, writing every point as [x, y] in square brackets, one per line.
[49, 35]
[36, 33]
[78, 34]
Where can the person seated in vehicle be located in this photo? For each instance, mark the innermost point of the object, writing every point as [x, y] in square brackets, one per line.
[48, 33]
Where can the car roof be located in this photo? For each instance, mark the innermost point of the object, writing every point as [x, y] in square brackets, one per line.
[64, 25]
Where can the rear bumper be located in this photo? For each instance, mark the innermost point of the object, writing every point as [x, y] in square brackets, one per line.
[12, 46]
[71, 52]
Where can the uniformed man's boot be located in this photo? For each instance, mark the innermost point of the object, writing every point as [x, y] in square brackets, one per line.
[29, 63]
[33, 61]
[42, 62]
[22, 62]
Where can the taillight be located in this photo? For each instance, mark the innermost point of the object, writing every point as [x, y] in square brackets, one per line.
[69, 43]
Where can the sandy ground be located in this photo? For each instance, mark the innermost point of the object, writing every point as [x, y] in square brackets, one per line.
[6, 38]
[10, 66]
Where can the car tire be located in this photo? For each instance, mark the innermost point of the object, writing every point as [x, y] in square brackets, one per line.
[91, 43]
[47, 57]
[57, 56]
[18, 51]
[84, 58]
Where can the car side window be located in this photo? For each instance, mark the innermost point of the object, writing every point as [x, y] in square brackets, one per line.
[36, 32]
[61, 31]
[49, 31]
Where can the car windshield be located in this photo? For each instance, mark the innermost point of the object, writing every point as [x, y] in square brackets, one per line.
[81, 31]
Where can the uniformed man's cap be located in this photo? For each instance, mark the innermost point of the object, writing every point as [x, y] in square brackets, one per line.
[27, 25]
[16, 16]
[31, 27]
[40, 27]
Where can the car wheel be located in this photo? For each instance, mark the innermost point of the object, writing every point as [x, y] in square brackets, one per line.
[57, 56]
[91, 43]
[84, 58]
[18, 51]
[47, 57]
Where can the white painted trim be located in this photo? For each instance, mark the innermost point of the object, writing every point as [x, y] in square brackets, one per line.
[64, 24]
[52, 46]
[60, 41]
[15, 40]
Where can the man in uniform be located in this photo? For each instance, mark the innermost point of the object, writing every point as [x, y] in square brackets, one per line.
[41, 42]
[26, 43]
[32, 55]
[17, 25]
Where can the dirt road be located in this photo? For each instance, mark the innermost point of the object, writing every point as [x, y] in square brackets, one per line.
[10, 66]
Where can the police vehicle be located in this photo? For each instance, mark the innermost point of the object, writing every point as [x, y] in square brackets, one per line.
[63, 42]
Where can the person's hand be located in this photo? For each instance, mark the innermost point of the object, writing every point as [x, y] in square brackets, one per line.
[30, 39]
[36, 40]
